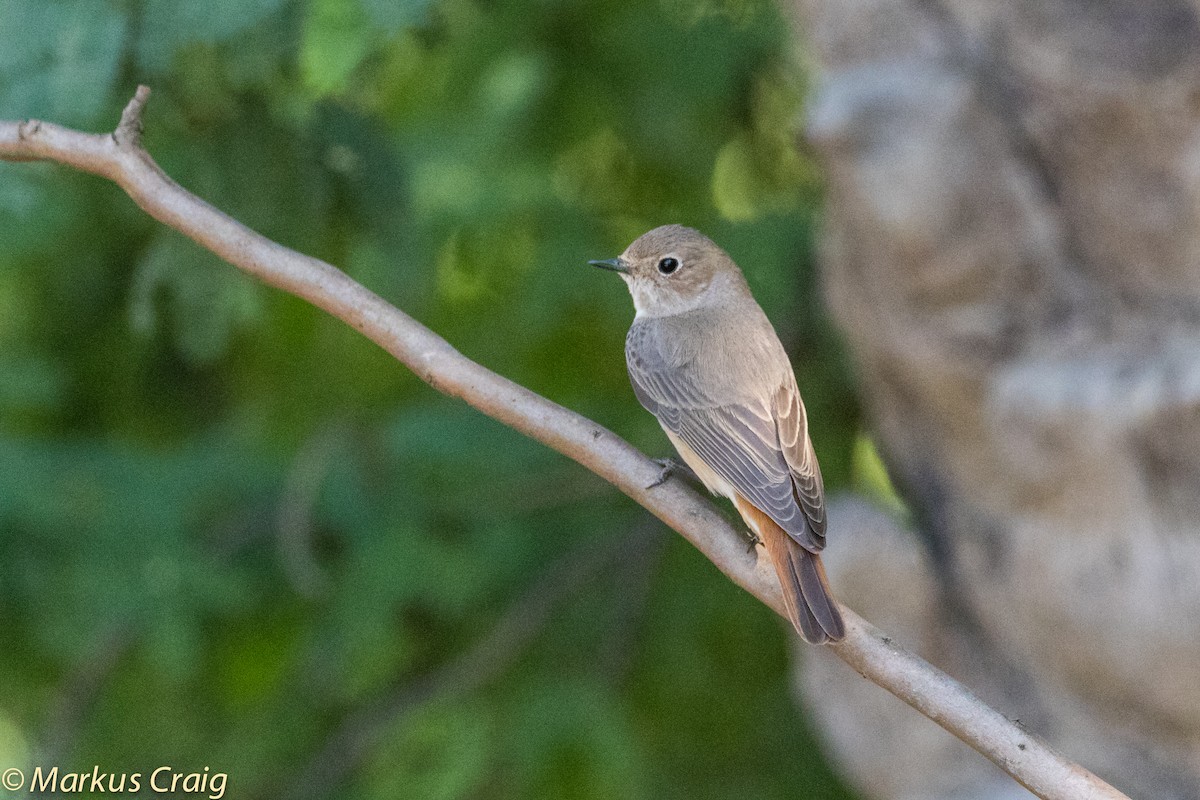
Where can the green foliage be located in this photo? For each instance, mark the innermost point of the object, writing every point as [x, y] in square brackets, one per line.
[59, 60]
[232, 527]
[207, 302]
[871, 479]
[441, 754]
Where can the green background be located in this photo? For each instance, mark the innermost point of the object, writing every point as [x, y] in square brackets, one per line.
[235, 534]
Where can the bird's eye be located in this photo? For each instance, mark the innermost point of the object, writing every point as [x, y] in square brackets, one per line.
[668, 265]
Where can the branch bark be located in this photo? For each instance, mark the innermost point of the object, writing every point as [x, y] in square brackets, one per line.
[120, 158]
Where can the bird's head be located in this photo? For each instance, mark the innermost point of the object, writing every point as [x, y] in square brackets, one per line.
[672, 270]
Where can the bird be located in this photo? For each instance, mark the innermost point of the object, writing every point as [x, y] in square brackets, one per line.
[704, 359]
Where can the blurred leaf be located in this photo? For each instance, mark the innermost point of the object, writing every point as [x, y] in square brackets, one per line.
[58, 60]
[731, 12]
[205, 300]
[21, 193]
[476, 264]
[737, 183]
[392, 15]
[571, 740]
[87, 560]
[14, 746]
[512, 85]
[596, 173]
[370, 645]
[251, 660]
[440, 753]
[170, 25]
[871, 477]
[338, 35]
[30, 382]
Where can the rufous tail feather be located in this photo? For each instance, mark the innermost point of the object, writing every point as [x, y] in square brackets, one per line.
[810, 604]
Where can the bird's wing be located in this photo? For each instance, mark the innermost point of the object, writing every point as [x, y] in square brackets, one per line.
[792, 424]
[759, 446]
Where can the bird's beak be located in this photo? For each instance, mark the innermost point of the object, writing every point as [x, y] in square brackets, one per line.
[615, 264]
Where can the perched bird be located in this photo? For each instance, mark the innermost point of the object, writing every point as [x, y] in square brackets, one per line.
[704, 359]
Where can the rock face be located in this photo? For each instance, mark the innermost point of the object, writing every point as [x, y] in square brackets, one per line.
[1012, 250]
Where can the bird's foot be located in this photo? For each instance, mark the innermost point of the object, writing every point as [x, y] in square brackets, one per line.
[669, 467]
[752, 541]
[674, 469]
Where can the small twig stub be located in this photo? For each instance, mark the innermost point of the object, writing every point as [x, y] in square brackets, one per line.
[129, 130]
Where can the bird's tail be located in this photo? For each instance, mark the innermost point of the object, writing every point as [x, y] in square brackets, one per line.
[810, 605]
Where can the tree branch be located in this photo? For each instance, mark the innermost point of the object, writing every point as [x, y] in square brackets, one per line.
[120, 158]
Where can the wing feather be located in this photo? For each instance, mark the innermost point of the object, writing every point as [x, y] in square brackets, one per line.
[760, 445]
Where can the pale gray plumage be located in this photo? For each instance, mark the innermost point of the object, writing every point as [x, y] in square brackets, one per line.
[704, 359]
[706, 396]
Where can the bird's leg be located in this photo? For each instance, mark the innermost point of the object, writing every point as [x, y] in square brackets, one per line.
[671, 468]
[753, 540]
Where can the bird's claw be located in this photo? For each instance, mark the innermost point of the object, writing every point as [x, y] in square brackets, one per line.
[669, 467]
[752, 541]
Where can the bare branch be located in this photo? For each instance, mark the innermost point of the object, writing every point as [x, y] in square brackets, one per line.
[120, 158]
